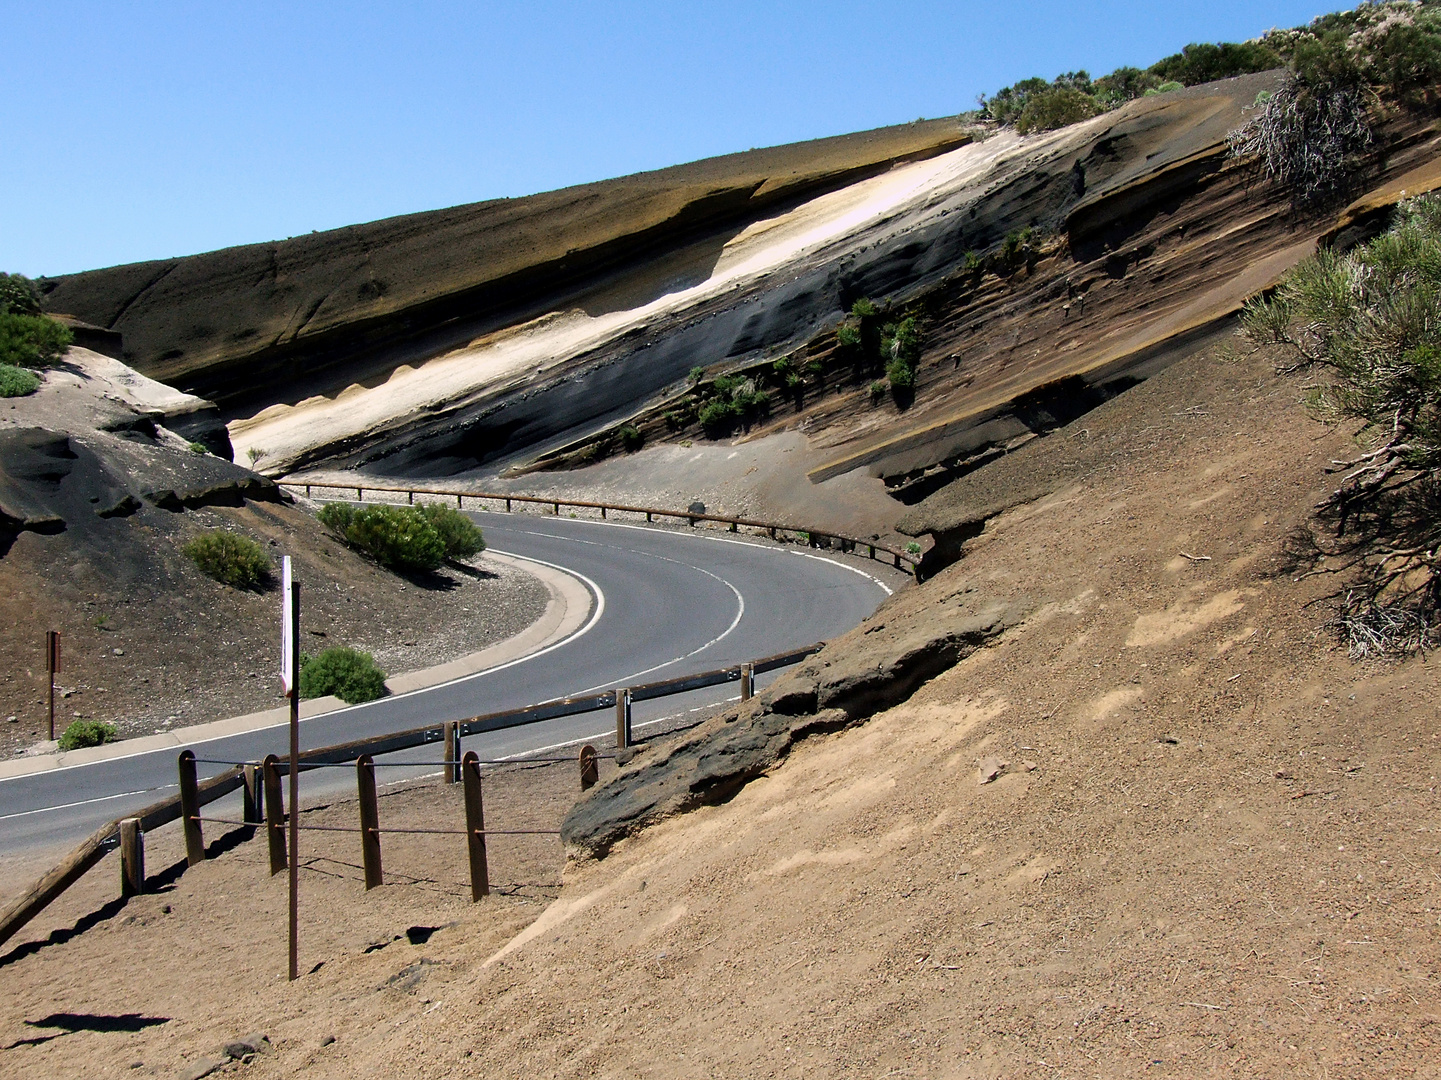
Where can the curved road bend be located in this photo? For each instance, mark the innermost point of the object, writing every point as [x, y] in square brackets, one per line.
[664, 603]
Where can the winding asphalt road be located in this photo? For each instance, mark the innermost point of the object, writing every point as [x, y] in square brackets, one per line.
[664, 603]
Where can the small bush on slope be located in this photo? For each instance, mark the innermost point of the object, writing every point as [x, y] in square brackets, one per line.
[1367, 319]
[350, 675]
[233, 560]
[84, 733]
[405, 537]
[17, 382]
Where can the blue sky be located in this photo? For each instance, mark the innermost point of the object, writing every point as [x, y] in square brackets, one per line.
[142, 130]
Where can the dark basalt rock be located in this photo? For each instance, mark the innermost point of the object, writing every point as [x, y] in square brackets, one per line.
[845, 683]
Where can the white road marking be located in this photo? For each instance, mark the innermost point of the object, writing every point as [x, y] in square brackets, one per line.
[86, 802]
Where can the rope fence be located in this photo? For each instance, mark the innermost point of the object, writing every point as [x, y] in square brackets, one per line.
[263, 805]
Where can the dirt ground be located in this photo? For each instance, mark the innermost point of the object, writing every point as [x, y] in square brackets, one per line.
[1213, 847]
[170, 647]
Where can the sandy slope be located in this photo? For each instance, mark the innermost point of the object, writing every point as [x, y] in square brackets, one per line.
[1213, 850]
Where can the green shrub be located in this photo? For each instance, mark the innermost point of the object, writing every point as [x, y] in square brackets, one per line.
[1205, 63]
[1367, 320]
[696, 375]
[901, 375]
[913, 548]
[32, 341]
[17, 382]
[87, 733]
[337, 517]
[848, 335]
[718, 416]
[461, 537]
[1056, 108]
[878, 390]
[864, 309]
[199, 448]
[229, 558]
[18, 294]
[631, 439]
[398, 537]
[350, 675]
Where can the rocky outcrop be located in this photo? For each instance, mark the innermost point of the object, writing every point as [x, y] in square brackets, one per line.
[873, 668]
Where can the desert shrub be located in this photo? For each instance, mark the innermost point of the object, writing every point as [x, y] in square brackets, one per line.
[198, 448]
[349, 674]
[718, 416]
[696, 375]
[1366, 320]
[17, 382]
[229, 558]
[461, 536]
[1167, 88]
[1311, 137]
[32, 341]
[18, 295]
[1056, 108]
[1205, 62]
[631, 439]
[400, 537]
[87, 733]
[913, 548]
[878, 390]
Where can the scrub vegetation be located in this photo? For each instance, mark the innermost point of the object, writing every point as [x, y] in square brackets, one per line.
[407, 538]
[229, 558]
[1365, 322]
[349, 674]
[28, 338]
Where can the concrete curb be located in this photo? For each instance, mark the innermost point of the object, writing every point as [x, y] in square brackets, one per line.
[565, 613]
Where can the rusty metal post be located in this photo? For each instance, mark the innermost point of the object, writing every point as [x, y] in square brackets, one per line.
[190, 809]
[274, 814]
[475, 827]
[589, 767]
[452, 742]
[132, 858]
[369, 820]
[748, 681]
[253, 798]
[622, 719]
[52, 667]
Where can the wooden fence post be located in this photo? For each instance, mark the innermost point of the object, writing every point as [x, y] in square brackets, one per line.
[410, 498]
[132, 858]
[475, 827]
[748, 681]
[622, 719]
[589, 770]
[369, 820]
[452, 743]
[274, 814]
[254, 797]
[190, 810]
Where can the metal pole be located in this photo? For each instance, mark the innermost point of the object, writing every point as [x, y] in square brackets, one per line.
[294, 780]
[451, 742]
[52, 665]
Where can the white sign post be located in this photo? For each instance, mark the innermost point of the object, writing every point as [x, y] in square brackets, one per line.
[290, 679]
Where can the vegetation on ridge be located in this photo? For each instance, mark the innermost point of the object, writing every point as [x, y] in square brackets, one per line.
[1392, 48]
[405, 537]
[28, 338]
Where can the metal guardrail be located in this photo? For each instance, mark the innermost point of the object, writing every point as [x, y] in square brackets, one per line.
[813, 536]
[108, 837]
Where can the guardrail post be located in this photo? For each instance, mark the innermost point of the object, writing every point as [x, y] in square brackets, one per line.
[622, 719]
[359, 494]
[897, 560]
[589, 767]
[410, 498]
[458, 504]
[190, 810]
[274, 814]
[507, 506]
[369, 821]
[648, 517]
[748, 681]
[254, 797]
[475, 827]
[132, 858]
[307, 491]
